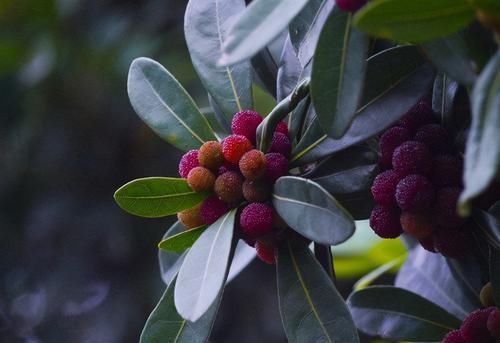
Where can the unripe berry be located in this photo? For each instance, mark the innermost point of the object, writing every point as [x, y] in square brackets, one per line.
[447, 170]
[188, 161]
[210, 155]
[389, 141]
[486, 295]
[228, 187]
[414, 192]
[266, 251]
[418, 116]
[253, 164]
[281, 143]
[245, 123]
[412, 157]
[235, 146]
[417, 225]
[445, 207]
[474, 328]
[350, 5]
[493, 323]
[384, 188]
[452, 242]
[256, 191]
[385, 221]
[191, 217]
[435, 137]
[277, 166]
[200, 179]
[212, 209]
[256, 220]
[454, 337]
[282, 127]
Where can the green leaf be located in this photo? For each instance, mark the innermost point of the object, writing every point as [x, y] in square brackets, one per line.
[492, 7]
[311, 308]
[154, 197]
[165, 325]
[262, 22]
[482, 155]
[443, 97]
[289, 73]
[370, 278]
[205, 268]
[397, 314]
[243, 256]
[299, 27]
[312, 211]
[183, 240]
[414, 21]
[165, 106]
[338, 73]
[206, 26]
[489, 226]
[170, 262]
[297, 118]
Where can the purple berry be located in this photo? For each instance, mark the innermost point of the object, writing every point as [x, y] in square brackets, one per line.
[188, 161]
[385, 221]
[435, 137]
[282, 127]
[454, 337]
[389, 141]
[414, 192]
[412, 157]
[493, 323]
[350, 5]
[245, 123]
[418, 116]
[256, 220]
[277, 166]
[474, 328]
[447, 170]
[281, 143]
[445, 207]
[451, 242]
[384, 188]
[212, 209]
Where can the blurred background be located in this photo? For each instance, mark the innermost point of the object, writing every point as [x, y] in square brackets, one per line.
[73, 266]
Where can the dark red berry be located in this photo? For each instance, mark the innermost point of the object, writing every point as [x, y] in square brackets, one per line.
[384, 188]
[227, 166]
[212, 209]
[282, 127]
[428, 243]
[256, 220]
[228, 187]
[281, 143]
[452, 241]
[418, 116]
[389, 141]
[414, 192]
[445, 207]
[256, 191]
[493, 323]
[277, 166]
[435, 137]
[385, 221]
[447, 170]
[245, 123]
[350, 5]
[188, 161]
[474, 328]
[235, 146]
[454, 337]
[266, 251]
[418, 225]
[412, 157]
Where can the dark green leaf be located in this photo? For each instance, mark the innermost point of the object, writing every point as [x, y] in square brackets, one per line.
[266, 70]
[312, 211]
[258, 26]
[165, 325]
[358, 204]
[414, 21]
[492, 7]
[300, 25]
[297, 117]
[154, 197]
[243, 256]
[338, 73]
[206, 25]
[170, 262]
[289, 73]
[182, 241]
[311, 308]
[482, 155]
[165, 106]
[443, 97]
[205, 268]
[489, 227]
[397, 314]
[494, 268]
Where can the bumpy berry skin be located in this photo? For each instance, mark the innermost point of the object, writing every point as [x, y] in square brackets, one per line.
[228, 187]
[385, 221]
[412, 157]
[277, 166]
[282, 127]
[188, 161]
[245, 123]
[200, 179]
[417, 225]
[445, 207]
[256, 191]
[266, 251]
[281, 143]
[253, 164]
[474, 328]
[256, 220]
[435, 137]
[493, 323]
[389, 141]
[418, 116]
[235, 146]
[210, 155]
[451, 242]
[486, 295]
[212, 209]
[454, 337]
[350, 5]
[447, 171]
[384, 188]
[191, 217]
[414, 192]
[227, 166]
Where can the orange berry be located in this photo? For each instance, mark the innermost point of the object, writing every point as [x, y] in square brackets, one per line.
[210, 155]
[200, 179]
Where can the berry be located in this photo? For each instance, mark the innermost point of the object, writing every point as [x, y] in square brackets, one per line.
[428, 243]
[493, 323]
[486, 295]
[384, 188]
[227, 166]
[451, 242]
[474, 328]
[253, 164]
[445, 207]
[412, 157]
[447, 170]
[228, 187]
[266, 251]
[212, 209]
[256, 220]
[418, 116]
[277, 166]
[200, 179]
[350, 5]
[191, 217]
[256, 191]
[417, 225]
[188, 161]
[435, 137]
[454, 337]
[281, 143]
[385, 221]
[234, 146]
[389, 141]
[245, 123]
[414, 192]
[282, 127]
[210, 155]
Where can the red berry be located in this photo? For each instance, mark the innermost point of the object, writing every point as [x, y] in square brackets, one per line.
[266, 251]
[445, 207]
[451, 242]
[435, 137]
[447, 170]
[384, 188]
[417, 225]
[454, 337]
[412, 157]
[418, 116]
[277, 166]
[385, 221]
[281, 143]
[282, 128]
[188, 161]
[350, 5]
[256, 220]
[253, 164]
[228, 187]
[414, 192]
[245, 123]
[235, 146]
[474, 328]
[493, 323]
[389, 141]
[212, 209]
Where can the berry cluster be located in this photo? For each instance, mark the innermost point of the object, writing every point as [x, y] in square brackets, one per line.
[481, 326]
[237, 174]
[420, 183]
[350, 5]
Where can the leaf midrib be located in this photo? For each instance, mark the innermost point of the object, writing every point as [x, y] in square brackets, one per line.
[153, 197]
